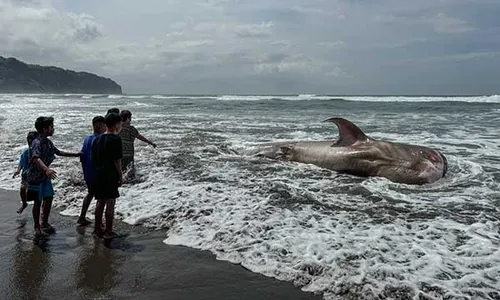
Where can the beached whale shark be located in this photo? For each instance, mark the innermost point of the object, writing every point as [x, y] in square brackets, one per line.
[357, 154]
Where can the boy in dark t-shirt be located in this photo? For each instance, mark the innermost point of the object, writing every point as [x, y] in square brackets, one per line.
[106, 158]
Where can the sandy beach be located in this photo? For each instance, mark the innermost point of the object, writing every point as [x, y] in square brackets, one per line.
[71, 264]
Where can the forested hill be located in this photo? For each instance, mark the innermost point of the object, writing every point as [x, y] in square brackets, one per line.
[19, 77]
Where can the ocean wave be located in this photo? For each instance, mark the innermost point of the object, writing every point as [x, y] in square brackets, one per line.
[470, 99]
[274, 97]
[336, 234]
[184, 97]
[495, 99]
[309, 97]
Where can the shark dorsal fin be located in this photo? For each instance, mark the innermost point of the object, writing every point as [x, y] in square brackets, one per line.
[349, 133]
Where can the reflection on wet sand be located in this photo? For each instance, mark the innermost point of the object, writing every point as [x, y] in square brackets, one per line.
[31, 264]
[97, 269]
[74, 265]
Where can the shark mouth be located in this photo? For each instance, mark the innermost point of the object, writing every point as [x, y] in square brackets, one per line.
[445, 164]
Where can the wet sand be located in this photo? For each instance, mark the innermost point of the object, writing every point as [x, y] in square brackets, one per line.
[72, 264]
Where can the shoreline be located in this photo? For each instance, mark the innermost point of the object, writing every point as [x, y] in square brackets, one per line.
[263, 95]
[72, 264]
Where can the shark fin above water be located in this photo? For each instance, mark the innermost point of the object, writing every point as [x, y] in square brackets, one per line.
[349, 133]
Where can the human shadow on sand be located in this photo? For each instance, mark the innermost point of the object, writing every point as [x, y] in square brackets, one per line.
[122, 242]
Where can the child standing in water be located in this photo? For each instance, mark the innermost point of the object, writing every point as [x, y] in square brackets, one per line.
[128, 134]
[106, 158]
[99, 126]
[39, 174]
[23, 165]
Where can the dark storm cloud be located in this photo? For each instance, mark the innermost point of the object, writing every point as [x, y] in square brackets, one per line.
[275, 46]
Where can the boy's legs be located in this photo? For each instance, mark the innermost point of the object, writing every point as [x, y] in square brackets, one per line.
[36, 216]
[46, 206]
[48, 194]
[110, 214]
[99, 211]
[33, 196]
[82, 220]
[128, 168]
[23, 193]
[126, 161]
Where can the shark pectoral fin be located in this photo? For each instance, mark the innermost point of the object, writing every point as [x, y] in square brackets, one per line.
[349, 133]
[284, 152]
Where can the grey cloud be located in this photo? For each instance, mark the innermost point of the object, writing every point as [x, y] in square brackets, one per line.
[85, 28]
[276, 57]
[449, 25]
[254, 30]
[470, 56]
[271, 46]
[441, 23]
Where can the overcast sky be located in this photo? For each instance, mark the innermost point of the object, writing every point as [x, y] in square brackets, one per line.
[264, 46]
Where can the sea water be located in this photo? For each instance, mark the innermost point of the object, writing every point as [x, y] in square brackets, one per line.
[342, 236]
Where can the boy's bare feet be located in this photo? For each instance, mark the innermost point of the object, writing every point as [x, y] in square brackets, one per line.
[21, 209]
[98, 234]
[83, 221]
[39, 233]
[110, 235]
[47, 228]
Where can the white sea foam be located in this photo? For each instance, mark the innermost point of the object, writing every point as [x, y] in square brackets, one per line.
[300, 97]
[273, 97]
[344, 236]
[472, 99]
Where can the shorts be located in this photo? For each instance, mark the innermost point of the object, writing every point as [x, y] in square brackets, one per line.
[42, 191]
[90, 189]
[106, 189]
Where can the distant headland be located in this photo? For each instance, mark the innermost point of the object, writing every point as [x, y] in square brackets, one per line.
[19, 77]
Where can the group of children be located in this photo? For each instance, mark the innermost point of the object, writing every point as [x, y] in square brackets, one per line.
[105, 155]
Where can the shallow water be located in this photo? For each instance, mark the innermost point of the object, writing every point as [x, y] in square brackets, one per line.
[344, 236]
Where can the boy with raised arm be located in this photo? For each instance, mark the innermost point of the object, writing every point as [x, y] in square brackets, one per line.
[128, 134]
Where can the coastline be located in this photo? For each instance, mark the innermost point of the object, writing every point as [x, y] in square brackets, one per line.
[71, 264]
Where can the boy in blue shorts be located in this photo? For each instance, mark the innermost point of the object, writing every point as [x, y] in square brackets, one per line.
[23, 165]
[99, 126]
[39, 174]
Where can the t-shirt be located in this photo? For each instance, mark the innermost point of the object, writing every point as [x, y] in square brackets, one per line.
[128, 135]
[42, 148]
[86, 158]
[24, 162]
[105, 150]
